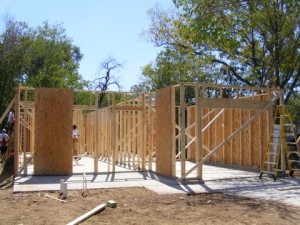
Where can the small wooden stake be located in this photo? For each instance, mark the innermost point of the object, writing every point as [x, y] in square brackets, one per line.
[49, 196]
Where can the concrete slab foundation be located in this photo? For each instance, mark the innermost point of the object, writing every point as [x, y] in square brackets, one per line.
[217, 179]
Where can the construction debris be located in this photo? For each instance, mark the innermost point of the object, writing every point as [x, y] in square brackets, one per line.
[87, 215]
[111, 204]
[49, 196]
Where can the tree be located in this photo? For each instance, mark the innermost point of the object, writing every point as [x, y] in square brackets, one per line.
[107, 78]
[172, 67]
[13, 44]
[36, 57]
[294, 108]
[52, 60]
[253, 43]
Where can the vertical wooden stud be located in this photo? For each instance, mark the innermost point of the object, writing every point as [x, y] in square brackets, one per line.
[182, 128]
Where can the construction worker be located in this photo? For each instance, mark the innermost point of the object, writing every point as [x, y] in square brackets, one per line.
[11, 121]
[75, 138]
[3, 144]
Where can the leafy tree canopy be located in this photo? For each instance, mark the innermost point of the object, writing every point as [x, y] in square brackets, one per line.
[37, 57]
[253, 43]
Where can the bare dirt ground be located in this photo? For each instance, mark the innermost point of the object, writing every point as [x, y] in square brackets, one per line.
[138, 206]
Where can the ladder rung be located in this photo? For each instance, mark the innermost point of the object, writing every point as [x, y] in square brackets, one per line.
[285, 115]
[293, 152]
[265, 171]
[272, 163]
[293, 160]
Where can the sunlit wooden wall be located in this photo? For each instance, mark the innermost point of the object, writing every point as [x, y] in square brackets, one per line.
[247, 148]
[53, 131]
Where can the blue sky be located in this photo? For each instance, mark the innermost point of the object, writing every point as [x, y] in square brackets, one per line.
[101, 28]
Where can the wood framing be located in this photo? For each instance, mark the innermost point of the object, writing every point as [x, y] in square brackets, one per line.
[165, 160]
[213, 127]
[183, 122]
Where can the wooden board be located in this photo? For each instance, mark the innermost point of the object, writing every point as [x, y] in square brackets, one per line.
[164, 156]
[53, 131]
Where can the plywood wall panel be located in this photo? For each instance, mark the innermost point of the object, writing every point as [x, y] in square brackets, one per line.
[53, 131]
[164, 155]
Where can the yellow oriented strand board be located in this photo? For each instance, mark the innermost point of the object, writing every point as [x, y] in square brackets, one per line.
[164, 132]
[53, 131]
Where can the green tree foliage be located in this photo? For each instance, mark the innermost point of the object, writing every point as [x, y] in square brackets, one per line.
[294, 108]
[52, 59]
[37, 57]
[253, 43]
[11, 54]
[172, 67]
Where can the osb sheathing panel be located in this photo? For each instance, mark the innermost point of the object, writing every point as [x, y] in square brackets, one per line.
[53, 131]
[164, 132]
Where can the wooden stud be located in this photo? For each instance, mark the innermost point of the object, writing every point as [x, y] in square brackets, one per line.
[198, 134]
[17, 132]
[96, 125]
[182, 128]
[25, 137]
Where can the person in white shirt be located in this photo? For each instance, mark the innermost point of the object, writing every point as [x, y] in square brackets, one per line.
[75, 138]
[11, 120]
[3, 144]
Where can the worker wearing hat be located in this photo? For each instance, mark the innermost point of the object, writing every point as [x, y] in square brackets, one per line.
[3, 144]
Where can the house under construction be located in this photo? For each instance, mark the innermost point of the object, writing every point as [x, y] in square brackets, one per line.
[228, 125]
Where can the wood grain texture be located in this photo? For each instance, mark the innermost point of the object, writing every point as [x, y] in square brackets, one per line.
[53, 131]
